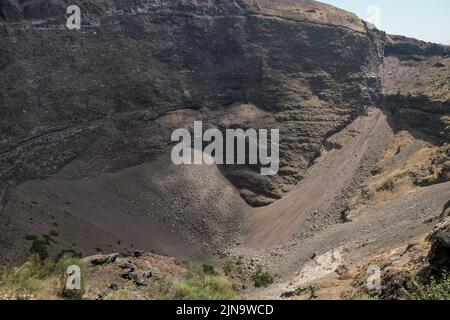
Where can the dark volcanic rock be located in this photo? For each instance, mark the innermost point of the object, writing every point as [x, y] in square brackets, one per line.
[439, 256]
[99, 260]
[415, 86]
[404, 46]
[99, 92]
[82, 104]
[20, 10]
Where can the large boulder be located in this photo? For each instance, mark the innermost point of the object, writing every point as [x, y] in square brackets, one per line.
[439, 256]
[100, 260]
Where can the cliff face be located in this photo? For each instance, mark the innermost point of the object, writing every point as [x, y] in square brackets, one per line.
[415, 78]
[86, 115]
[81, 109]
[109, 93]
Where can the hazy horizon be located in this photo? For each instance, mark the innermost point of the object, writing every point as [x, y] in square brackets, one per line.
[428, 21]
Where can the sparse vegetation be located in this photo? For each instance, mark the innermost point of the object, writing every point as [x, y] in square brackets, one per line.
[389, 185]
[164, 289]
[368, 194]
[70, 252]
[436, 289]
[60, 269]
[262, 278]
[209, 270]
[205, 287]
[365, 297]
[345, 212]
[54, 233]
[196, 284]
[229, 266]
[37, 277]
[22, 282]
[378, 169]
[119, 295]
[39, 247]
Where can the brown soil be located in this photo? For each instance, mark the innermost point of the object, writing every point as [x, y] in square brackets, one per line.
[185, 211]
[315, 195]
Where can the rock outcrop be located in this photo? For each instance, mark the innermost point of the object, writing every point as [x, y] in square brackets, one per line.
[100, 93]
[77, 107]
[439, 255]
[415, 80]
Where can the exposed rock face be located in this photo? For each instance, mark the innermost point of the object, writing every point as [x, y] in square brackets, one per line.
[439, 169]
[415, 79]
[415, 85]
[98, 93]
[84, 104]
[99, 260]
[404, 46]
[77, 107]
[439, 255]
[442, 163]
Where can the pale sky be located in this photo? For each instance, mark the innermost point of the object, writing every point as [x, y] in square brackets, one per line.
[427, 20]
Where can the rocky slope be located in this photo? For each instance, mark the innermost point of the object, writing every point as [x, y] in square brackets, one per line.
[83, 104]
[86, 117]
[415, 79]
[100, 91]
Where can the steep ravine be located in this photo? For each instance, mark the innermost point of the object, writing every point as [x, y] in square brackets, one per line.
[386, 226]
[86, 118]
[415, 86]
[81, 105]
[98, 92]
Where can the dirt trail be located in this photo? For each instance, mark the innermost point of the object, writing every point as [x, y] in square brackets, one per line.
[276, 224]
[273, 235]
[379, 228]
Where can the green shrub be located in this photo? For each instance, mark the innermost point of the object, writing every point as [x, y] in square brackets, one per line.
[205, 287]
[378, 169]
[119, 295]
[70, 252]
[209, 269]
[436, 289]
[229, 266]
[389, 185]
[262, 278]
[39, 247]
[29, 278]
[368, 194]
[21, 281]
[164, 289]
[196, 284]
[48, 238]
[232, 264]
[54, 233]
[30, 237]
[61, 269]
